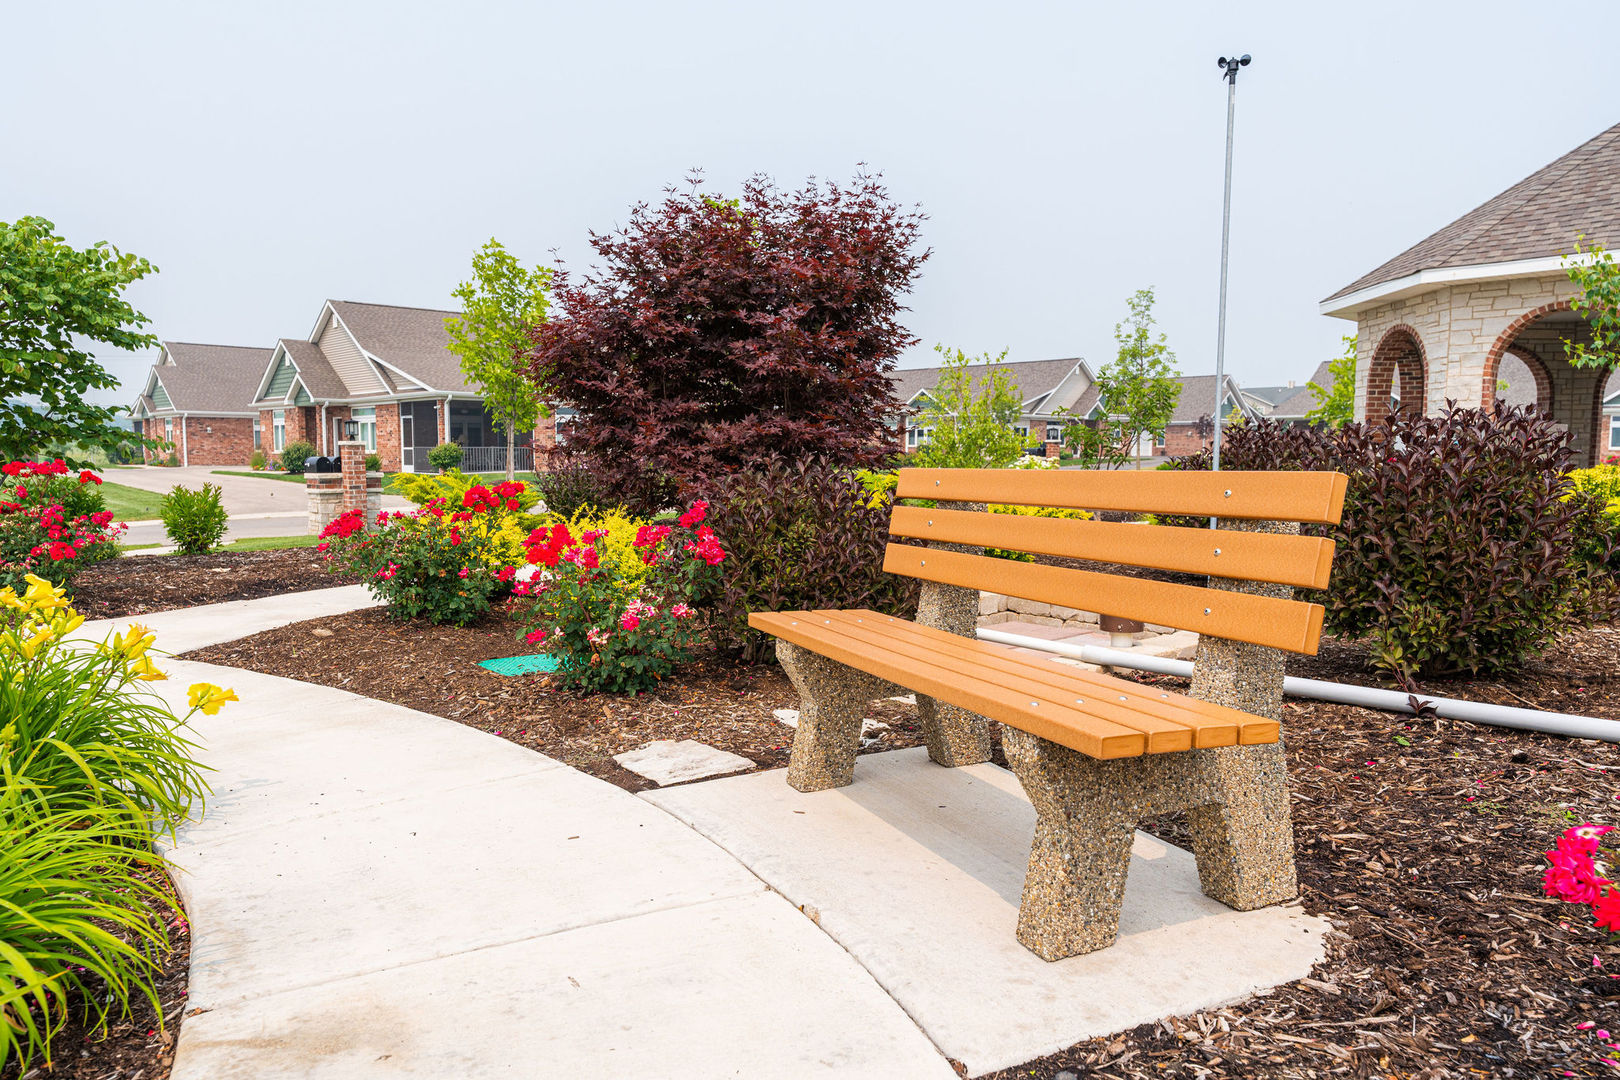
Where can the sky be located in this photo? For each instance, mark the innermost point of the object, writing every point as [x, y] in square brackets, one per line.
[268, 157]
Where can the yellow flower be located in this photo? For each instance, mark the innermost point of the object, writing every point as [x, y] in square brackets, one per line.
[133, 644]
[209, 698]
[27, 648]
[43, 596]
[9, 598]
[143, 669]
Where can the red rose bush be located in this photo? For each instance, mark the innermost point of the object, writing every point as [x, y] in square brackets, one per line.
[606, 633]
[52, 522]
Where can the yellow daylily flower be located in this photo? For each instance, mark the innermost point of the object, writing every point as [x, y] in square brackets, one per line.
[32, 645]
[133, 644]
[143, 669]
[67, 620]
[10, 599]
[209, 698]
[43, 596]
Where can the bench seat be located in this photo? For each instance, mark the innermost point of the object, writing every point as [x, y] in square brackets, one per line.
[1097, 715]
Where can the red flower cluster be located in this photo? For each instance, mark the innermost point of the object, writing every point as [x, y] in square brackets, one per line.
[1574, 874]
[695, 514]
[345, 525]
[547, 546]
[41, 468]
[706, 547]
[479, 498]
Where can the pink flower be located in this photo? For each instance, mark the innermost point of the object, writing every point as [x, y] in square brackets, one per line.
[463, 572]
[505, 573]
[1606, 911]
[681, 611]
[696, 514]
[1572, 877]
[535, 637]
[1585, 837]
[629, 621]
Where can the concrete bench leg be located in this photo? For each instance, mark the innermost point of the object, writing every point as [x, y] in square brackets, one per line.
[832, 702]
[955, 736]
[1244, 837]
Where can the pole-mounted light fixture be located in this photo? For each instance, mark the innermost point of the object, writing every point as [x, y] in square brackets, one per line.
[1229, 71]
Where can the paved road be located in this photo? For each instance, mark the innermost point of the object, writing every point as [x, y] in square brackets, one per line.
[257, 506]
[375, 892]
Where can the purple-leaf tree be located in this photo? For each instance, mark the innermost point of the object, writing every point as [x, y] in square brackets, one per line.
[720, 333]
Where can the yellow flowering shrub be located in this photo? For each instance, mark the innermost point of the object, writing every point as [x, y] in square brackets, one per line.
[618, 546]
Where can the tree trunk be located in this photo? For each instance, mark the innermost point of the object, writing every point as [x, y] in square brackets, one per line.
[511, 452]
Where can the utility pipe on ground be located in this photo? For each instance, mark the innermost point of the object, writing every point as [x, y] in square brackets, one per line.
[1367, 697]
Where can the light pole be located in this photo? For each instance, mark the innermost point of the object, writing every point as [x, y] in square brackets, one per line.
[1229, 69]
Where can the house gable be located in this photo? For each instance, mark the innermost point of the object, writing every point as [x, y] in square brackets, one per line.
[160, 396]
[281, 379]
[346, 357]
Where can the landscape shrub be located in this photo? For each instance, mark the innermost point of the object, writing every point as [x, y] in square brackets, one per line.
[195, 521]
[256, 462]
[52, 522]
[373, 463]
[447, 455]
[880, 488]
[294, 454]
[569, 486]
[712, 332]
[452, 485]
[91, 769]
[439, 562]
[1456, 549]
[607, 633]
[800, 535]
[1595, 552]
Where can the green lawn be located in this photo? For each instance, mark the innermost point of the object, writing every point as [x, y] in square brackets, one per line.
[271, 543]
[131, 504]
[290, 478]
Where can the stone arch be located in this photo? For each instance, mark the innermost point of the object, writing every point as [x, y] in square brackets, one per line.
[1504, 341]
[1399, 355]
[1538, 372]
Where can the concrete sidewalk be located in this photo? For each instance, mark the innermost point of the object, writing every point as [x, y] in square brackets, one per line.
[375, 892]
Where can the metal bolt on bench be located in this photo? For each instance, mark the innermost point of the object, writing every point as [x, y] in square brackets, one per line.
[1095, 756]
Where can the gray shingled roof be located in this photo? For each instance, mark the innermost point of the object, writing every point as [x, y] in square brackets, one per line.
[1538, 217]
[1198, 398]
[315, 370]
[413, 340]
[1032, 377]
[212, 379]
[1302, 400]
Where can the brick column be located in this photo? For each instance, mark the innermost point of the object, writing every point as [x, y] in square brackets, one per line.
[353, 455]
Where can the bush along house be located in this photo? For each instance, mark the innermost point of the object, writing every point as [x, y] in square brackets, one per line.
[389, 369]
[198, 399]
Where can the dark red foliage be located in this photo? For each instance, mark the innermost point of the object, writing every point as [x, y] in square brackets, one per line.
[721, 332]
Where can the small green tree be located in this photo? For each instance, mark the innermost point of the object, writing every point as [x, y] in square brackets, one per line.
[499, 306]
[971, 415]
[1336, 405]
[1138, 391]
[1095, 445]
[1599, 302]
[54, 299]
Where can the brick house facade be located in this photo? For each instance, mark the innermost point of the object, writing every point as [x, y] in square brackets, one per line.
[197, 400]
[1439, 321]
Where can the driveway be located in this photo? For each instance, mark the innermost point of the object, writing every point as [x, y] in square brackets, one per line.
[256, 506]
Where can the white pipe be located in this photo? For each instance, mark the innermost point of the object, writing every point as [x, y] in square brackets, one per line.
[1368, 697]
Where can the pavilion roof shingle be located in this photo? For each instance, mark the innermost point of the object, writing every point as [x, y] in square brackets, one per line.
[212, 379]
[1539, 217]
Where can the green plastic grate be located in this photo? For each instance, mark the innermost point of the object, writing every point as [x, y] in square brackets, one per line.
[520, 665]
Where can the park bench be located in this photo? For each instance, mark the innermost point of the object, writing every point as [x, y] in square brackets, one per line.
[1095, 754]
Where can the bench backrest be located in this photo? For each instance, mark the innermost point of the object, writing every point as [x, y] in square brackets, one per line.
[1301, 561]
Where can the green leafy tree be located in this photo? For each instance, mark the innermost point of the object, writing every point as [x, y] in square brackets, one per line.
[971, 415]
[499, 306]
[1599, 302]
[1336, 405]
[1138, 391]
[1096, 444]
[54, 300]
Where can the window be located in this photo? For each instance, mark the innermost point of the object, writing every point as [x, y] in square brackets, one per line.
[367, 419]
[1614, 432]
[168, 429]
[565, 418]
[1054, 432]
[258, 435]
[278, 435]
[916, 437]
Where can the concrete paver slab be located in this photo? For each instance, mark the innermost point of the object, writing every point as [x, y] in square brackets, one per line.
[740, 987]
[666, 761]
[917, 870]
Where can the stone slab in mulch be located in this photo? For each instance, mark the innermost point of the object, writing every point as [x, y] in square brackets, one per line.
[668, 761]
[917, 870]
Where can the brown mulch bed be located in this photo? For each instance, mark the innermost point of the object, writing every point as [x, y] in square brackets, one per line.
[1420, 839]
[135, 1048]
[435, 669]
[142, 584]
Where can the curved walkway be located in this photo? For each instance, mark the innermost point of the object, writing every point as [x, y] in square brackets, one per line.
[376, 892]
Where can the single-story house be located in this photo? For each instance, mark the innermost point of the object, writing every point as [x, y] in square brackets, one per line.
[391, 370]
[1288, 404]
[1051, 391]
[1611, 418]
[1439, 321]
[198, 400]
[1191, 427]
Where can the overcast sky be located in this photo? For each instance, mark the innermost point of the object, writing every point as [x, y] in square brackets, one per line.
[269, 156]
